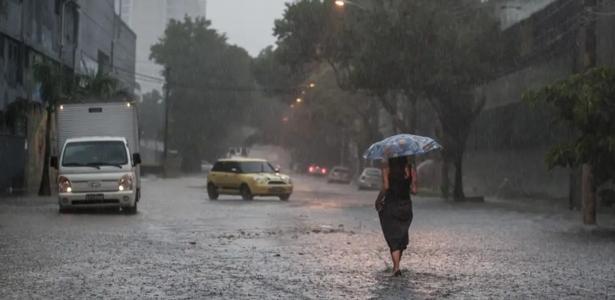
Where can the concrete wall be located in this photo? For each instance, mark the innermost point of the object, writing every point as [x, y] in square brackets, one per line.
[96, 22]
[124, 54]
[606, 34]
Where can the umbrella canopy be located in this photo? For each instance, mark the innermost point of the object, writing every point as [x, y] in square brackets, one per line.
[401, 145]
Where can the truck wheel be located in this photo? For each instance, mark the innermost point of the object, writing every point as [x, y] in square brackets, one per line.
[130, 210]
[284, 197]
[212, 192]
[246, 194]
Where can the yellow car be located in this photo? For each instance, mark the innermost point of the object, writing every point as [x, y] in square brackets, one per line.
[247, 177]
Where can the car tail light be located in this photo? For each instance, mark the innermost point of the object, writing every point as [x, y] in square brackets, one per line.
[64, 185]
[311, 169]
[323, 171]
[125, 183]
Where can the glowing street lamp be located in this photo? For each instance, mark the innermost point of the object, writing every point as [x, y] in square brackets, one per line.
[299, 100]
[343, 3]
[312, 85]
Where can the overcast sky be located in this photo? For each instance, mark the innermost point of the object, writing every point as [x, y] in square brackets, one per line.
[247, 23]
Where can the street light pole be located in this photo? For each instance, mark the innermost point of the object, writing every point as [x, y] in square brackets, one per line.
[167, 94]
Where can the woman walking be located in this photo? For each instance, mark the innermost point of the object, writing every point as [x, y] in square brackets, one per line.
[396, 214]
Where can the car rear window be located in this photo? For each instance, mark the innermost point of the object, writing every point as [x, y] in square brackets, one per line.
[372, 172]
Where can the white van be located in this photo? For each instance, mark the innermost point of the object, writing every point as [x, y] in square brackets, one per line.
[98, 163]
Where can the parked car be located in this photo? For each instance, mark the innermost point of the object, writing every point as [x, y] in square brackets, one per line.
[370, 179]
[317, 170]
[339, 175]
[247, 177]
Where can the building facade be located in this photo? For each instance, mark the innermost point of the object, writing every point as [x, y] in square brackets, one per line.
[84, 36]
[507, 147]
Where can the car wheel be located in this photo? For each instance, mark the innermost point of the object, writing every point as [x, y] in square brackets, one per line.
[212, 192]
[285, 197]
[130, 210]
[246, 194]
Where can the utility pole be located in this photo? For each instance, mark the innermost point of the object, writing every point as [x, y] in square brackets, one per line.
[588, 186]
[167, 93]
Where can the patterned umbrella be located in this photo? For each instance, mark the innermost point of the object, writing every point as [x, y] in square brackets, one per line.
[401, 145]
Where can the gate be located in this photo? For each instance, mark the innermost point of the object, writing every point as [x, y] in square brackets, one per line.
[12, 163]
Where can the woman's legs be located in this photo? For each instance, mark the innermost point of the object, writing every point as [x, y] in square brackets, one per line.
[396, 256]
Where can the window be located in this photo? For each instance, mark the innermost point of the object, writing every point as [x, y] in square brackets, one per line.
[1, 47]
[256, 167]
[104, 65]
[218, 167]
[14, 64]
[95, 154]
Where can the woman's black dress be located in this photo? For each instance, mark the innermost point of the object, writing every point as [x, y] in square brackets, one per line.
[396, 216]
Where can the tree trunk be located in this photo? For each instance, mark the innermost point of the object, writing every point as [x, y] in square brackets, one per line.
[45, 187]
[589, 196]
[444, 179]
[413, 116]
[458, 194]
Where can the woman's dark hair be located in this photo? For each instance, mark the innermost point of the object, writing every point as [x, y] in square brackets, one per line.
[397, 166]
[398, 162]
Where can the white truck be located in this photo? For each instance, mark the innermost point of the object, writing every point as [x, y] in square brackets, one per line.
[98, 161]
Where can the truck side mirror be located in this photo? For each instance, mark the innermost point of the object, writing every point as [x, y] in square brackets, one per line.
[136, 159]
[54, 162]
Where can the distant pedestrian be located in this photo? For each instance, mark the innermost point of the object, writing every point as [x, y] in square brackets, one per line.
[396, 213]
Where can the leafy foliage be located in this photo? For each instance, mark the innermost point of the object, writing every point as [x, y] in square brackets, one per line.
[437, 50]
[586, 103]
[210, 83]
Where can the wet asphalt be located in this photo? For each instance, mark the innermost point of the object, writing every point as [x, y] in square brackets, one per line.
[325, 243]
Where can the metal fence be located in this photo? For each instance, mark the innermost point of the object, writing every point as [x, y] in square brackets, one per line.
[12, 163]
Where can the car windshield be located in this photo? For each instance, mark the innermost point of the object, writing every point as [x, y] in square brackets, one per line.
[256, 167]
[95, 154]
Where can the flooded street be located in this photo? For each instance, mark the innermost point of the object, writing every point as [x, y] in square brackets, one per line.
[325, 243]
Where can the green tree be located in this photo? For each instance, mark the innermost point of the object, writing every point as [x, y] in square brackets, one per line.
[437, 50]
[586, 103]
[210, 84]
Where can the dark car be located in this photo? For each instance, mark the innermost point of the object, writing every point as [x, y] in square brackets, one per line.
[317, 170]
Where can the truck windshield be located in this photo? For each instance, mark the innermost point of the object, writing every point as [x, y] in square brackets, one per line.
[95, 154]
[256, 167]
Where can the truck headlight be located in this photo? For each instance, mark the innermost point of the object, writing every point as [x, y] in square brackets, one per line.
[64, 185]
[125, 183]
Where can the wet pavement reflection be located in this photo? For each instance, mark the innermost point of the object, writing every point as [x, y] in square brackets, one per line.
[323, 244]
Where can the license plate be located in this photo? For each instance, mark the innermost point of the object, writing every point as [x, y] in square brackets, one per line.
[94, 197]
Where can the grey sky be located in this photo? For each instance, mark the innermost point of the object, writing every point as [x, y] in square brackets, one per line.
[247, 23]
